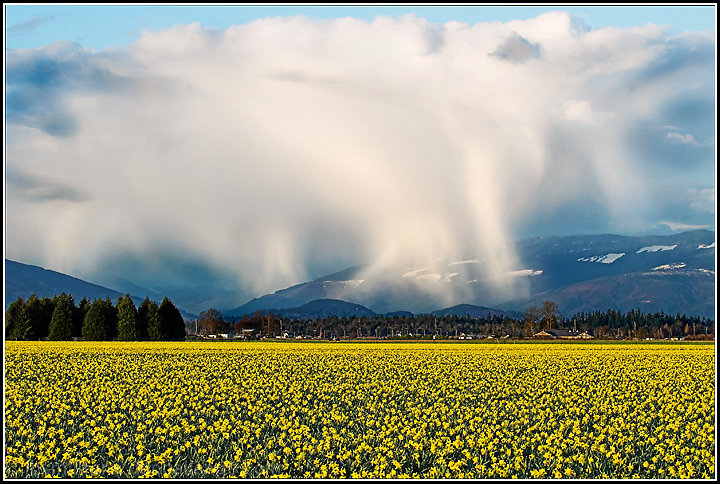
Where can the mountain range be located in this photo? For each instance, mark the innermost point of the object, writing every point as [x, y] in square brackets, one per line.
[675, 273]
[22, 280]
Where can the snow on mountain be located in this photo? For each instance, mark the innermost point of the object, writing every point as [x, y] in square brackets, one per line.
[450, 276]
[603, 259]
[351, 282]
[640, 268]
[656, 248]
[526, 273]
[415, 272]
[469, 261]
[679, 265]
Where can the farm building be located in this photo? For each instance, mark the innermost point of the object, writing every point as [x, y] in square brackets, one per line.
[562, 334]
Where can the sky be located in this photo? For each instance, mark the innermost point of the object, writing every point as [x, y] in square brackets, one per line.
[250, 148]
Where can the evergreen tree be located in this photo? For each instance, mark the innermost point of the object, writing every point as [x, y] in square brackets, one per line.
[148, 325]
[34, 315]
[127, 319]
[171, 321]
[48, 307]
[111, 319]
[13, 316]
[61, 323]
[21, 329]
[93, 328]
[79, 319]
[100, 322]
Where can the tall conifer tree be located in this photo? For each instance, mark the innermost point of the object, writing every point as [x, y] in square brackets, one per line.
[61, 323]
[127, 319]
[148, 328]
[171, 321]
[13, 316]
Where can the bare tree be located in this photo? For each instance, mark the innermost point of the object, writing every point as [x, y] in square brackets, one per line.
[549, 314]
[211, 321]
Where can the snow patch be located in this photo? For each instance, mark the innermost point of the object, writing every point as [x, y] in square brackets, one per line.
[449, 277]
[703, 246]
[666, 267]
[415, 272]
[604, 259]
[469, 261]
[656, 248]
[526, 273]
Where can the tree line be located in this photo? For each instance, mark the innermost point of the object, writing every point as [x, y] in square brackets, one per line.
[60, 319]
[601, 324]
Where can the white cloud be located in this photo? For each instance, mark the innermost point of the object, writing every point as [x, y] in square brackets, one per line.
[678, 226]
[682, 138]
[276, 148]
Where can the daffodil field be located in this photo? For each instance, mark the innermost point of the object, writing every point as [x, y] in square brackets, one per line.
[319, 409]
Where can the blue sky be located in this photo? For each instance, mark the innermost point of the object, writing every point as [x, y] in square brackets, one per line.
[208, 149]
[102, 26]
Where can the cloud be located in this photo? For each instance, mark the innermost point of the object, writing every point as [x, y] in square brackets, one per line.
[517, 49]
[679, 226]
[29, 25]
[289, 147]
[702, 199]
[682, 138]
[39, 83]
[38, 189]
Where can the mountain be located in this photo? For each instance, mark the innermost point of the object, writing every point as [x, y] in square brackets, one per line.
[21, 280]
[323, 308]
[676, 292]
[675, 273]
[328, 287]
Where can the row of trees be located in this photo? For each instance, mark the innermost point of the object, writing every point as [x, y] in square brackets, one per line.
[602, 324]
[212, 322]
[60, 319]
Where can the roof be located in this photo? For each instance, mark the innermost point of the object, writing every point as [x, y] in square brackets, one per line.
[558, 333]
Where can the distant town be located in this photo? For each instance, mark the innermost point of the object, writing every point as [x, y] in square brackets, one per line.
[542, 322]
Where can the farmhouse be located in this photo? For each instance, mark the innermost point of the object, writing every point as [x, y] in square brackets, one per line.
[562, 334]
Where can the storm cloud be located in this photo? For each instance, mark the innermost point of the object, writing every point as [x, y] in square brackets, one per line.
[288, 147]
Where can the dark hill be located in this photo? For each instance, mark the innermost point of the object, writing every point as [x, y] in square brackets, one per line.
[323, 308]
[475, 312]
[22, 280]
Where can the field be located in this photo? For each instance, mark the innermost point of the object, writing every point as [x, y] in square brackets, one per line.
[431, 410]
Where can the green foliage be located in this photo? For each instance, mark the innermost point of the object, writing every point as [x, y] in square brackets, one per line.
[33, 315]
[171, 323]
[148, 325]
[21, 330]
[79, 318]
[100, 322]
[127, 319]
[13, 316]
[35, 321]
[61, 323]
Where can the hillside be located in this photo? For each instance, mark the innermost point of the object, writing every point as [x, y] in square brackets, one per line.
[22, 280]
